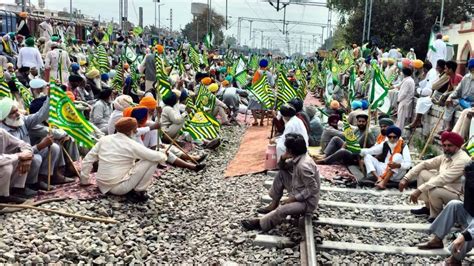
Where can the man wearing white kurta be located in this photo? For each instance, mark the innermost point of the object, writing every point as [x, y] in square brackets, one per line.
[377, 158]
[405, 98]
[438, 51]
[124, 165]
[292, 125]
[46, 29]
[57, 61]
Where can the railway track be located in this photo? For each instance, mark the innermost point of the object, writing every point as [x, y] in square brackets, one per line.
[361, 225]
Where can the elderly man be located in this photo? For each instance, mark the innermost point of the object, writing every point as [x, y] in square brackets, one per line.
[119, 172]
[456, 212]
[438, 179]
[19, 126]
[15, 160]
[300, 177]
[388, 160]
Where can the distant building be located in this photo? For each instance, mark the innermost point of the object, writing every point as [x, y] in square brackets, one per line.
[461, 37]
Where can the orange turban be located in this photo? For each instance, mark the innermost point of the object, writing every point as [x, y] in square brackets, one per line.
[206, 81]
[71, 95]
[126, 124]
[225, 83]
[334, 105]
[148, 102]
[159, 48]
[127, 112]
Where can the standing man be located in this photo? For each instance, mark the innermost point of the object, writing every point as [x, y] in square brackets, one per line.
[405, 97]
[437, 51]
[46, 29]
[438, 179]
[300, 177]
[57, 63]
[30, 56]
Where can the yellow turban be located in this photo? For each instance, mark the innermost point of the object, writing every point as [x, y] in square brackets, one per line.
[213, 87]
[93, 73]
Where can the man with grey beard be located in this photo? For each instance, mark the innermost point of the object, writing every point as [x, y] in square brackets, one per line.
[19, 126]
[439, 179]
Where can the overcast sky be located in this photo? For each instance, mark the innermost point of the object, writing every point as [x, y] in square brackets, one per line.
[109, 9]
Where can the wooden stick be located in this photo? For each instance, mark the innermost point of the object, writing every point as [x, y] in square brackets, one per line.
[49, 168]
[179, 147]
[430, 137]
[367, 129]
[70, 160]
[82, 217]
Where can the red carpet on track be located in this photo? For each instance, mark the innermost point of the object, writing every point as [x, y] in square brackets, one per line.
[250, 158]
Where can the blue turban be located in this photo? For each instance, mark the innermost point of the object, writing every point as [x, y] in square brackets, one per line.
[184, 95]
[395, 130]
[75, 67]
[140, 113]
[365, 104]
[104, 76]
[229, 78]
[356, 105]
[470, 64]
[263, 63]
[36, 104]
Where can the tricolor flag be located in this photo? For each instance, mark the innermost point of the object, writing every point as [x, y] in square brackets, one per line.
[63, 114]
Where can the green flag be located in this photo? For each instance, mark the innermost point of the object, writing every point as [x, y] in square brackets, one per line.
[102, 59]
[352, 144]
[4, 89]
[431, 42]
[253, 62]
[63, 114]
[352, 79]
[378, 94]
[194, 57]
[202, 126]
[209, 40]
[261, 90]
[285, 92]
[162, 83]
[240, 72]
[25, 93]
[119, 78]
[205, 100]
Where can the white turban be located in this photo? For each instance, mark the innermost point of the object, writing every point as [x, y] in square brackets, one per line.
[426, 92]
[6, 105]
[122, 102]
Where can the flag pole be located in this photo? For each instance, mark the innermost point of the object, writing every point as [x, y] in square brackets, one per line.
[70, 160]
[430, 137]
[49, 162]
[368, 127]
[179, 147]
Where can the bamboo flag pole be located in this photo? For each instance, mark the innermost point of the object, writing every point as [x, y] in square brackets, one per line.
[430, 138]
[82, 217]
[49, 161]
[367, 129]
[179, 147]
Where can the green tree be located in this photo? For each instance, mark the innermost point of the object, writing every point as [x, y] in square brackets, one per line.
[405, 24]
[195, 30]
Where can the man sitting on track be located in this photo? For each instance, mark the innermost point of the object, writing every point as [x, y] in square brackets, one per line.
[444, 184]
[388, 159]
[456, 212]
[300, 177]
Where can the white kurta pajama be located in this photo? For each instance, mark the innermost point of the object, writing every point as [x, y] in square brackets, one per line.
[52, 60]
[294, 125]
[373, 164]
[9, 177]
[119, 172]
[405, 101]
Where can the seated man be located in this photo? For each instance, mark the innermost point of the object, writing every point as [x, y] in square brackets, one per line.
[292, 125]
[387, 160]
[423, 105]
[336, 151]
[19, 126]
[461, 96]
[315, 126]
[356, 107]
[331, 131]
[149, 130]
[464, 122]
[456, 212]
[102, 110]
[119, 172]
[231, 97]
[15, 161]
[384, 123]
[444, 184]
[300, 177]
